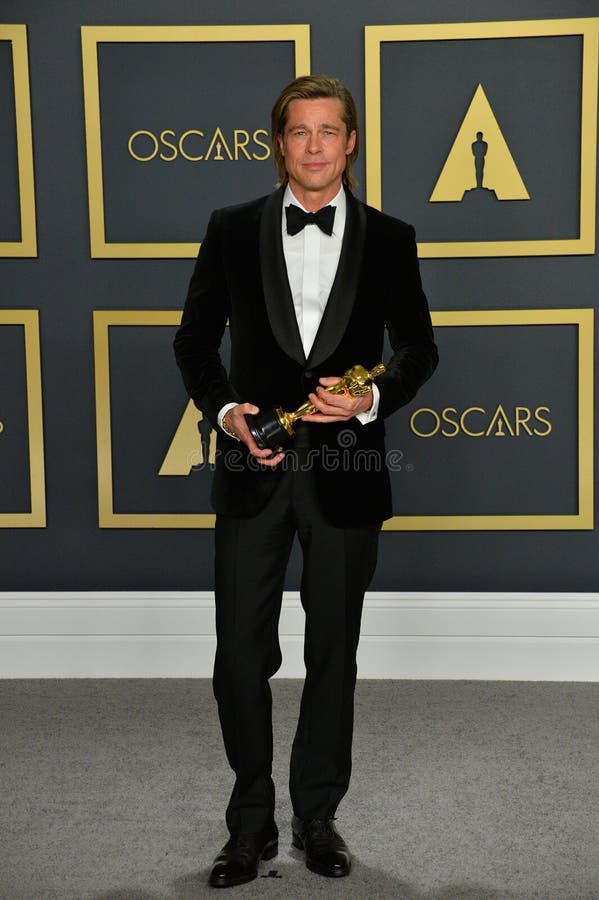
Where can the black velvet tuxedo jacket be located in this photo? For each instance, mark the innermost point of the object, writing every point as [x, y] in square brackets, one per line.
[240, 276]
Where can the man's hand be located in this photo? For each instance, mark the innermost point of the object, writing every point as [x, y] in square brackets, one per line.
[336, 407]
[235, 421]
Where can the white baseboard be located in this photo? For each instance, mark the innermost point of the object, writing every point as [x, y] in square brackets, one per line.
[514, 636]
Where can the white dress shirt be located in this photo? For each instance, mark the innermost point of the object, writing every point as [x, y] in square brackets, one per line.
[312, 258]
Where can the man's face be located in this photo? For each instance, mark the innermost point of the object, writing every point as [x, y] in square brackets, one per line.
[315, 145]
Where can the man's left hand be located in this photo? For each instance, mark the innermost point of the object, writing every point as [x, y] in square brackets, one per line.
[336, 407]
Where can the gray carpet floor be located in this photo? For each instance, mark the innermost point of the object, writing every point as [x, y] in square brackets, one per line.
[115, 790]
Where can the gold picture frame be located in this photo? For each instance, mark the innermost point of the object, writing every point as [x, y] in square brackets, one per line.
[583, 519]
[91, 36]
[588, 28]
[27, 246]
[36, 517]
[107, 518]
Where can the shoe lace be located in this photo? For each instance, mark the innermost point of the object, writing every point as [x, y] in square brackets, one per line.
[244, 845]
[321, 830]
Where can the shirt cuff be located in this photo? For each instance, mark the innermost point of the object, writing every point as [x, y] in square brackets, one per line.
[370, 414]
[223, 412]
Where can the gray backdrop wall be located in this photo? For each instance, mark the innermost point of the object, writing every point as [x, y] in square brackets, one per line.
[493, 461]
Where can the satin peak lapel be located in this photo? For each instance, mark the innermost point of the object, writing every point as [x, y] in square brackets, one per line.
[343, 292]
[277, 294]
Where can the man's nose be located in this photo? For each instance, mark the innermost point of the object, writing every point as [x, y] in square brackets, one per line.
[314, 143]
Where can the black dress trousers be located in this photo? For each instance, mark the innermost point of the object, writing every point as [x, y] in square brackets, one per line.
[251, 559]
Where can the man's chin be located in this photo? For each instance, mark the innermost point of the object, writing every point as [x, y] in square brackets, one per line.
[317, 185]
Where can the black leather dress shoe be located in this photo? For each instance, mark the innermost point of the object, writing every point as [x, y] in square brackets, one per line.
[238, 860]
[326, 851]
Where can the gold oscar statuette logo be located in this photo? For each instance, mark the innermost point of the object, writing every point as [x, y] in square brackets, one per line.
[190, 447]
[479, 164]
[195, 145]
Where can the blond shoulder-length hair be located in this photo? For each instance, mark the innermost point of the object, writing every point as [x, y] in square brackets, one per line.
[314, 87]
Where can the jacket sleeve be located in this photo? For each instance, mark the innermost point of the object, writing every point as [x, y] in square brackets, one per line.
[197, 342]
[410, 330]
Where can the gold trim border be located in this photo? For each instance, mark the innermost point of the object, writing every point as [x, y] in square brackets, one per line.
[588, 28]
[91, 36]
[27, 246]
[107, 518]
[29, 319]
[583, 519]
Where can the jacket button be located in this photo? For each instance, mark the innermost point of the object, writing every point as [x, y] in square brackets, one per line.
[308, 373]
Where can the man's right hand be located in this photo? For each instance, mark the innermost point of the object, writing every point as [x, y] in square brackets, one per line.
[234, 419]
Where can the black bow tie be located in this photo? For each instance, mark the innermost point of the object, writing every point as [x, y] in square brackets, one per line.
[298, 219]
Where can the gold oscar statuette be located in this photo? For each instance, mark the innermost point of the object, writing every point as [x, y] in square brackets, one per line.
[273, 428]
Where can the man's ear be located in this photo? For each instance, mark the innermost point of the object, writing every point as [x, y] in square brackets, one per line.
[351, 143]
[280, 140]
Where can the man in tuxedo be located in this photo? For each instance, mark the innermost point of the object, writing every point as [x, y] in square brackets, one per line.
[309, 278]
